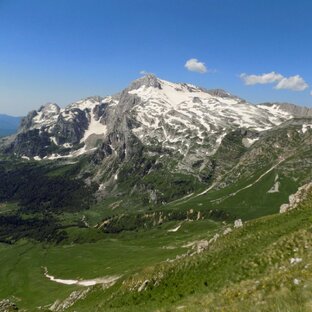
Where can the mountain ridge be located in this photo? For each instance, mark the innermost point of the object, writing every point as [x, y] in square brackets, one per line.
[8, 124]
[77, 120]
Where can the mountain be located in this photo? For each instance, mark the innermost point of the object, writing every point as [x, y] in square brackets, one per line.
[156, 134]
[177, 117]
[8, 124]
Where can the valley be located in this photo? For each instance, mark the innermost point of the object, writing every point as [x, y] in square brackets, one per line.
[155, 156]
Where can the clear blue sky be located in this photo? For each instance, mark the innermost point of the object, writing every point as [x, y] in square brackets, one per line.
[63, 50]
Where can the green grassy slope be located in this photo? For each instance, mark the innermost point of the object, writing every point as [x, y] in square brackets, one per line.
[248, 203]
[249, 269]
[22, 275]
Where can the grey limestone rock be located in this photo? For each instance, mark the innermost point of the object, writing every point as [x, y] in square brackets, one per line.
[295, 110]
[71, 130]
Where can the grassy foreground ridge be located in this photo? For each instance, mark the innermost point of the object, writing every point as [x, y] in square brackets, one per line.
[263, 266]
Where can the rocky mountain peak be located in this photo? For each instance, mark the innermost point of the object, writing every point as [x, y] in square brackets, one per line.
[149, 80]
[86, 103]
[49, 109]
[222, 93]
[288, 108]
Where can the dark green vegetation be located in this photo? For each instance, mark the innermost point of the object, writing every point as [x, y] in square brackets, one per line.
[249, 267]
[36, 191]
[15, 227]
[151, 182]
[40, 198]
[150, 219]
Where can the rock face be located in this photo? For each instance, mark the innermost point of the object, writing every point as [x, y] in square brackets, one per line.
[238, 223]
[294, 110]
[52, 132]
[295, 199]
[59, 306]
[7, 306]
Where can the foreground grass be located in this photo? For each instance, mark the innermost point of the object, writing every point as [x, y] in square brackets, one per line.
[249, 269]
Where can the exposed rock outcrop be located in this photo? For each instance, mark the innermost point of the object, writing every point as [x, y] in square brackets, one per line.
[7, 305]
[59, 306]
[238, 223]
[295, 110]
[295, 199]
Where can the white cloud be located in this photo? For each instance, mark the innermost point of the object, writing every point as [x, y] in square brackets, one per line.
[311, 93]
[261, 79]
[294, 83]
[195, 66]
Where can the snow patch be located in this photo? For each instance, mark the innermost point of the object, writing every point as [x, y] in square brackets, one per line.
[170, 116]
[295, 260]
[95, 127]
[305, 128]
[247, 142]
[275, 187]
[90, 282]
[175, 229]
[53, 139]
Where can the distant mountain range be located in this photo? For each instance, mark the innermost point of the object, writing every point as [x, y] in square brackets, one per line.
[8, 124]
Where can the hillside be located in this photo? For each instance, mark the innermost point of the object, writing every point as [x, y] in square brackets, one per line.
[263, 265]
[190, 266]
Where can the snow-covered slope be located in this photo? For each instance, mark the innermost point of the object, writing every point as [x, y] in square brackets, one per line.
[184, 116]
[66, 132]
[186, 119]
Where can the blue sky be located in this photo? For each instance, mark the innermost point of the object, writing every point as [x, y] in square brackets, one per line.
[63, 50]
